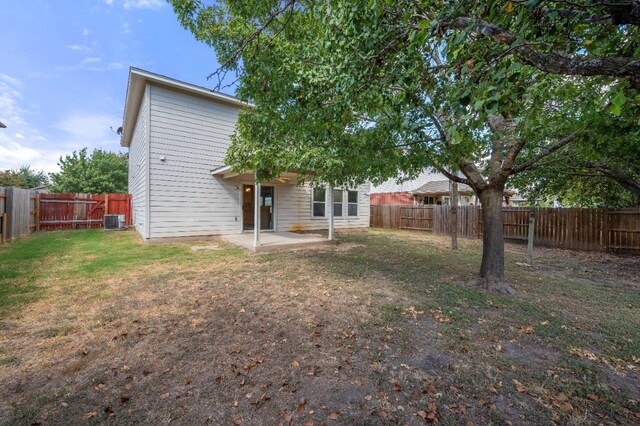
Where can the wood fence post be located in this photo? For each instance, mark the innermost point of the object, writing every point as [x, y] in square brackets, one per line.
[4, 227]
[532, 222]
[454, 214]
[106, 203]
[605, 229]
[37, 218]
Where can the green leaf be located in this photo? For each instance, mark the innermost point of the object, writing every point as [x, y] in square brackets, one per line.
[619, 99]
[616, 109]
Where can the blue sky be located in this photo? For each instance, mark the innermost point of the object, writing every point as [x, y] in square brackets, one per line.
[64, 67]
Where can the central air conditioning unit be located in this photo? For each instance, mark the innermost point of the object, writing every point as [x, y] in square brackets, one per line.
[113, 222]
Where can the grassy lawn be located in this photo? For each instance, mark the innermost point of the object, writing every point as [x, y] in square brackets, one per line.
[96, 327]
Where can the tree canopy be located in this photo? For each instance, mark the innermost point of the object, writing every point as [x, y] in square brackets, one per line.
[97, 173]
[24, 177]
[364, 90]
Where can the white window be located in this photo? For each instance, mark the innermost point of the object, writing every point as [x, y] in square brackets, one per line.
[337, 202]
[319, 201]
[352, 199]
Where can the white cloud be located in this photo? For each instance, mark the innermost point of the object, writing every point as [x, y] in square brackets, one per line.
[91, 64]
[92, 130]
[20, 143]
[86, 32]
[10, 80]
[80, 48]
[143, 4]
[108, 2]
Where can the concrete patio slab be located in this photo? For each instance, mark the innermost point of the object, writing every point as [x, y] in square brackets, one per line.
[275, 241]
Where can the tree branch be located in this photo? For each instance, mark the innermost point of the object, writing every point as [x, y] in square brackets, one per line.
[554, 62]
[553, 148]
[452, 176]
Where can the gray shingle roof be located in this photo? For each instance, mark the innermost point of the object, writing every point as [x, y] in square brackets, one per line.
[440, 187]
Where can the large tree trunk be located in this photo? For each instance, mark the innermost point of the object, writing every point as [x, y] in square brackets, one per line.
[492, 266]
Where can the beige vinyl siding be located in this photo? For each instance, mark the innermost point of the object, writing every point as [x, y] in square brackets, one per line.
[192, 134]
[293, 205]
[138, 153]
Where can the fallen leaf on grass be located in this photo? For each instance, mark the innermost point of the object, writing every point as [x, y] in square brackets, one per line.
[592, 396]
[295, 363]
[368, 397]
[333, 416]
[314, 370]
[287, 417]
[90, 415]
[431, 389]
[519, 386]
[413, 312]
[440, 317]
[301, 404]
[237, 421]
[583, 353]
[124, 399]
[527, 330]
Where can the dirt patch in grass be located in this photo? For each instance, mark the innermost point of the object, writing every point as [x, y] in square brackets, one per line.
[372, 330]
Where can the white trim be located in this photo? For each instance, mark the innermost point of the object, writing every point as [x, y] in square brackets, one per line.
[330, 190]
[147, 191]
[256, 213]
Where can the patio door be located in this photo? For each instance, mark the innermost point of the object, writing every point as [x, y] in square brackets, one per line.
[267, 207]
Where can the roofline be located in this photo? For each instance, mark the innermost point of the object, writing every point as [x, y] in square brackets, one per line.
[138, 79]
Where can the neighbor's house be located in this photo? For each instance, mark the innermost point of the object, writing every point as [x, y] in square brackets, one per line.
[178, 135]
[427, 188]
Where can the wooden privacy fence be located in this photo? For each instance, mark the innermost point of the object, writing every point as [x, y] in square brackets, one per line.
[18, 213]
[577, 229]
[23, 211]
[75, 211]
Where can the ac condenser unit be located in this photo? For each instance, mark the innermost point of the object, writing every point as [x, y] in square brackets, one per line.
[113, 222]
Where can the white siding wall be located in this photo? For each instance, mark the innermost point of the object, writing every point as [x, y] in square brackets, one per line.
[138, 168]
[192, 135]
[293, 210]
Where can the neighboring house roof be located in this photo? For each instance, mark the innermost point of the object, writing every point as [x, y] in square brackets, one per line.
[138, 79]
[392, 185]
[439, 187]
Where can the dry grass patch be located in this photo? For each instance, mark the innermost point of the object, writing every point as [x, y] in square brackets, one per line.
[372, 330]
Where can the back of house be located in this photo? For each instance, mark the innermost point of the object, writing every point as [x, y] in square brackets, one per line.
[178, 135]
